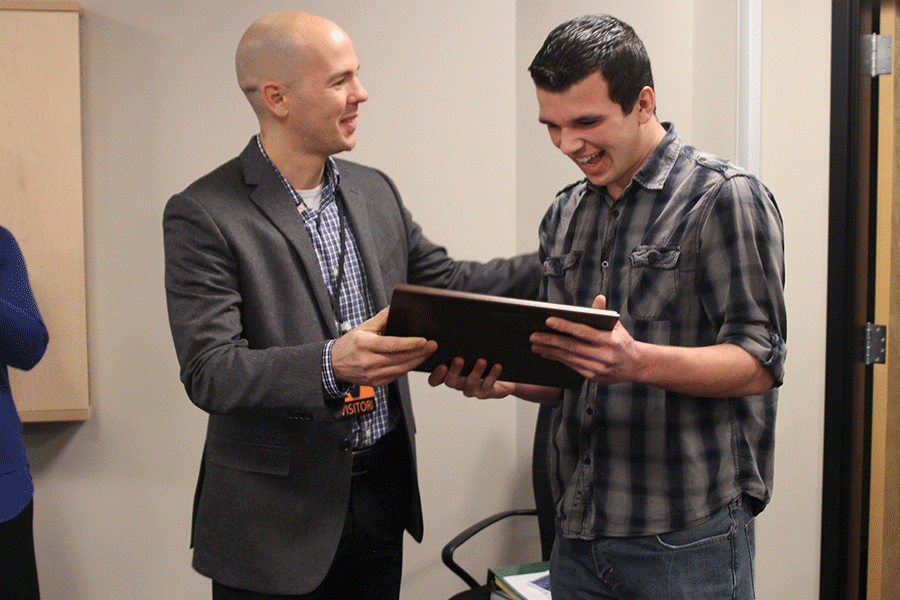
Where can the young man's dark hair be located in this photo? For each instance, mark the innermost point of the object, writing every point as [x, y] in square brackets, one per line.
[592, 43]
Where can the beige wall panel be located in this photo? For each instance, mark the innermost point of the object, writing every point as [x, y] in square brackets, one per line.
[41, 198]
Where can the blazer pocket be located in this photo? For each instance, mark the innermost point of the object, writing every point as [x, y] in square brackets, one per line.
[248, 456]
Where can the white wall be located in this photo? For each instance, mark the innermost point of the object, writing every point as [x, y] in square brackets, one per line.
[452, 119]
[796, 92]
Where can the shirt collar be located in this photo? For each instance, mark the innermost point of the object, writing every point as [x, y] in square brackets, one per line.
[655, 170]
[653, 173]
[331, 178]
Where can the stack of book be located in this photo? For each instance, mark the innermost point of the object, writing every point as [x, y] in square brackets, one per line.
[521, 582]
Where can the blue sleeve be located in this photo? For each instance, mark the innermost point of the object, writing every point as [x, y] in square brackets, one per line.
[23, 335]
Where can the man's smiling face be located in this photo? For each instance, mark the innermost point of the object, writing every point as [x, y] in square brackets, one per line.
[592, 130]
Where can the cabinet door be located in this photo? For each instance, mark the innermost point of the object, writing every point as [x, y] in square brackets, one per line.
[41, 195]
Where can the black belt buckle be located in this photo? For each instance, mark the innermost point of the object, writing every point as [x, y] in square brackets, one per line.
[364, 460]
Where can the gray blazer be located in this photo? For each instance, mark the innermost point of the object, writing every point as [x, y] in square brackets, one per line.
[250, 316]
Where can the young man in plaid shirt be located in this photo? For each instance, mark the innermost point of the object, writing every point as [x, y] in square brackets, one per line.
[663, 457]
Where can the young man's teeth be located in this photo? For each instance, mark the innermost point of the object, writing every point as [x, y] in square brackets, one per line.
[587, 159]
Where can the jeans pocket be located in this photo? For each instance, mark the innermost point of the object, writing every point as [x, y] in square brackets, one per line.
[718, 528]
[700, 561]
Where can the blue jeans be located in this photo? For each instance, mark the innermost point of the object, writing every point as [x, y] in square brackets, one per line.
[712, 561]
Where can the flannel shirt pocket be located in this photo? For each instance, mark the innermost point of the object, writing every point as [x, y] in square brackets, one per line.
[653, 279]
[560, 273]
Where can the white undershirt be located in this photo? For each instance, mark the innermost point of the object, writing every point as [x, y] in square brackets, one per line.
[311, 198]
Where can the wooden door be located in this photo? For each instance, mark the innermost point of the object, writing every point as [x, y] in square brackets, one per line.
[861, 471]
[883, 561]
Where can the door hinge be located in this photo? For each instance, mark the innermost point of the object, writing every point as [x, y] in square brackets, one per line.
[876, 54]
[873, 344]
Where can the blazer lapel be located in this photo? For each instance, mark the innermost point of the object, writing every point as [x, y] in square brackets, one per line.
[361, 225]
[271, 197]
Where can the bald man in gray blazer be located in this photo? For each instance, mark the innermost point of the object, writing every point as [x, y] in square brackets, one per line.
[279, 266]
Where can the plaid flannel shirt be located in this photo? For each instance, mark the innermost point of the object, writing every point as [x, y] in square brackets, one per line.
[691, 254]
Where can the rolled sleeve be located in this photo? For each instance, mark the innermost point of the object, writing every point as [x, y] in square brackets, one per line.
[762, 342]
[745, 266]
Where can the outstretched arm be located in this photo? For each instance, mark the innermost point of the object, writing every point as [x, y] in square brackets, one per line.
[721, 370]
[363, 356]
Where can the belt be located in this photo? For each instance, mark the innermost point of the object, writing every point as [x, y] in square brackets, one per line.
[384, 449]
[365, 460]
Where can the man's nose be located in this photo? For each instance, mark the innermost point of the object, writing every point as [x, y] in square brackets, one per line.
[569, 141]
[359, 93]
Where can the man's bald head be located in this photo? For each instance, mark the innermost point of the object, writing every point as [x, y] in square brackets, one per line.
[276, 46]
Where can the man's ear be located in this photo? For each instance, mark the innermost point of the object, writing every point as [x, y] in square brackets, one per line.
[273, 96]
[646, 103]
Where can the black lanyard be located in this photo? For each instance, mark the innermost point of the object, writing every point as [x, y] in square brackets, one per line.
[335, 293]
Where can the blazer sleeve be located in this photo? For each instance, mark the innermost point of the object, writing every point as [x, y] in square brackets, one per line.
[429, 264]
[233, 361]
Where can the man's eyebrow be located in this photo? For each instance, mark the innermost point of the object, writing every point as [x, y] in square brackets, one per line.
[587, 118]
[342, 74]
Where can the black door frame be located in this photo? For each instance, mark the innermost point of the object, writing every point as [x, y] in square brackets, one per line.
[842, 330]
[839, 335]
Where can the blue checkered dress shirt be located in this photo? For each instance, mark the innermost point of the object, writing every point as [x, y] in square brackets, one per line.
[355, 301]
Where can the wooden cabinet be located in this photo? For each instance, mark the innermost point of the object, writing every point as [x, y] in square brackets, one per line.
[41, 195]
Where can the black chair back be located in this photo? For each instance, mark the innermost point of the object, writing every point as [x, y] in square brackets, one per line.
[540, 476]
